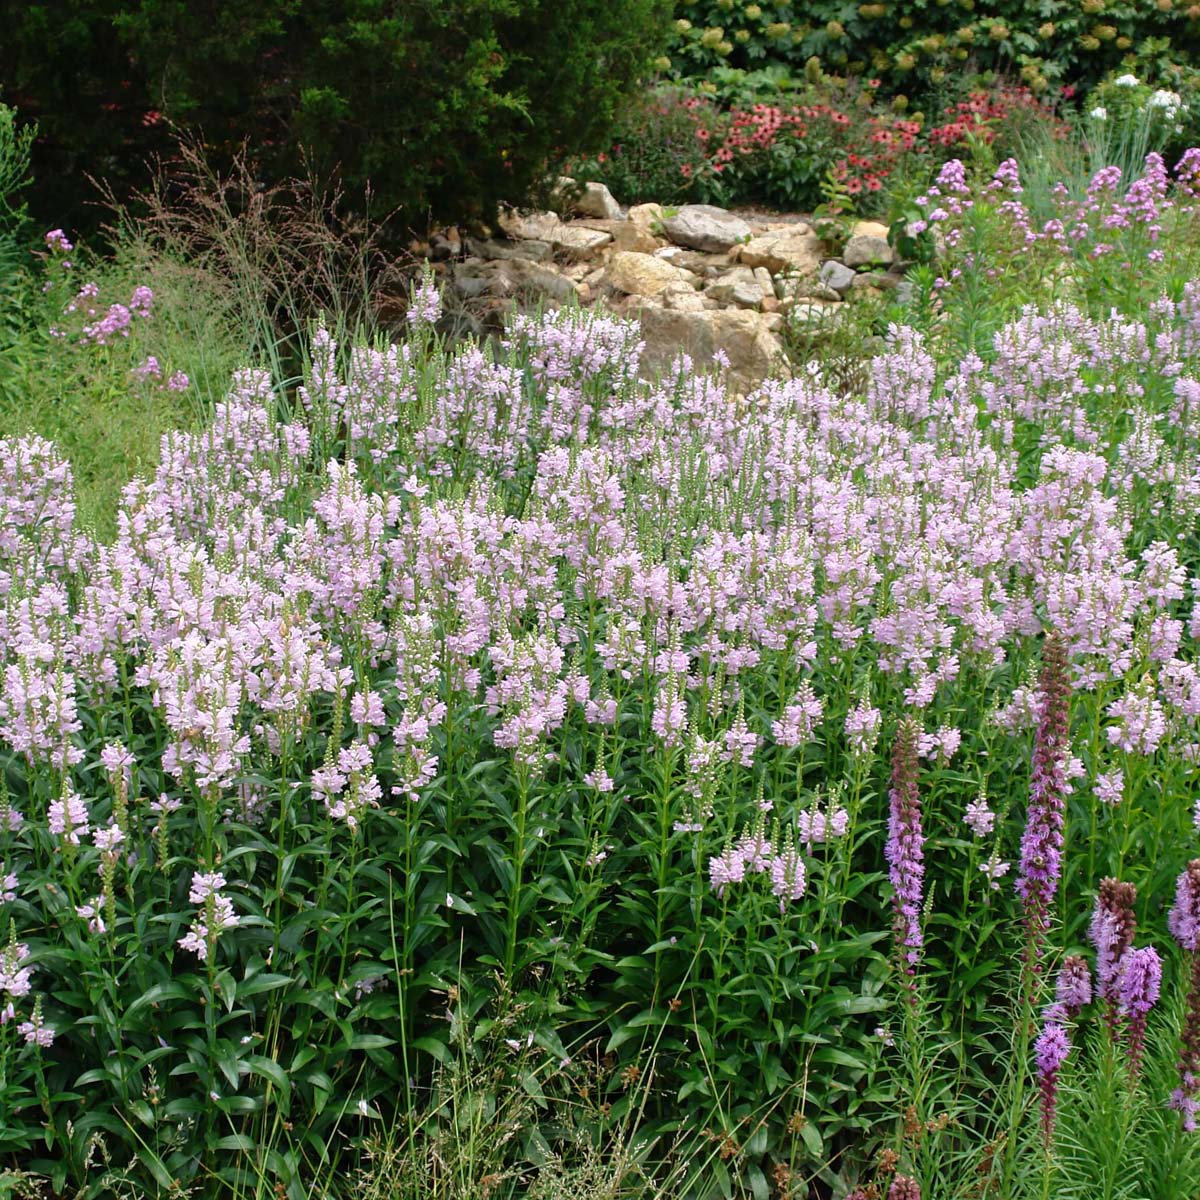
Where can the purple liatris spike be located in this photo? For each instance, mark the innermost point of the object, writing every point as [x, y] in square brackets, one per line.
[905, 845]
[1184, 924]
[1139, 980]
[1041, 845]
[1050, 1052]
[1111, 933]
[1073, 988]
[1184, 918]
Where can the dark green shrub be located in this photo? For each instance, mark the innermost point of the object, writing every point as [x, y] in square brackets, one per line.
[443, 106]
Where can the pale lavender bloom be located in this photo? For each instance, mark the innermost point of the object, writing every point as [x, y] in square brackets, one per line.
[979, 818]
[862, 727]
[8, 885]
[905, 845]
[994, 870]
[426, 304]
[142, 301]
[68, 818]
[800, 719]
[787, 877]
[107, 840]
[14, 978]
[93, 914]
[57, 241]
[36, 1032]
[178, 382]
[1110, 786]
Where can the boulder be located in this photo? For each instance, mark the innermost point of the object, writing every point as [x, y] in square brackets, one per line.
[577, 242]
[705, 227]
[869, 229]
[643, 274]
[742, 286]
[520, 226]
[710, 265]
[626, 235]
[597, 201]
[837, 276]
[493, 248]
[682, 298]
[744, 336]
[798, 252]
[868, 249]
[648, 216]
[514, 277]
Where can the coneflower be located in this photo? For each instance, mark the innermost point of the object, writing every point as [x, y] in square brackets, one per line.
[1184, 924]
[1042, 842]
[905, 850]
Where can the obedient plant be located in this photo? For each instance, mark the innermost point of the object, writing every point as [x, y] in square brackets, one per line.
[499, 673]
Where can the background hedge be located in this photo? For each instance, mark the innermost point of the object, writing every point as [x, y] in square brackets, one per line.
[446, 106]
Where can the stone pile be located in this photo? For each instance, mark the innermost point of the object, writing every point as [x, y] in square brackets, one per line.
[700, 279]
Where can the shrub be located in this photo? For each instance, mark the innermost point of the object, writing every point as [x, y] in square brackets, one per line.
[443, 108]
[912, 44]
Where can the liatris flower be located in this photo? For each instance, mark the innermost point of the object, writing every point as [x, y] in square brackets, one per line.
[1050, 1052]
[905, 845]
[1111, 933]
[1184, 924]
[904, 1187]
[1041, 845]
[1073, 988]
[1138, 983]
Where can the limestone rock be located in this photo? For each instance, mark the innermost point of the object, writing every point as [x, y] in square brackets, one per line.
[867, 249]
[597, 201]
[514, 277]
[648, 216]
[577, 242]
[626, 235]
[537, 225]
[746, 337]
[741, 286]
[837, 276]
[682, 298]
[492, 248]
[869, 229]
[797, 252]
[643, 274]
[705, 227]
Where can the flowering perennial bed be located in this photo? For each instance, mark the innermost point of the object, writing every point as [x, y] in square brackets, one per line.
[482, 666]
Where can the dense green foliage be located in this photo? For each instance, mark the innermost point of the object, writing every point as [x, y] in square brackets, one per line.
[442, 107]
[914, 43]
